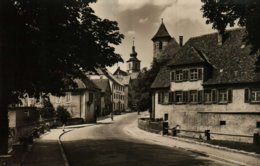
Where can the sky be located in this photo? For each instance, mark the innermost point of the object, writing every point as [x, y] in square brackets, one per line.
[141, 19]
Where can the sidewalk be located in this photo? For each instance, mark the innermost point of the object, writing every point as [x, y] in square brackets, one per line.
[219, 153]
[47, 149]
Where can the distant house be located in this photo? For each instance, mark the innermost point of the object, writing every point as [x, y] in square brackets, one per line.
[105, 101]
[80, 102]
[211, 83]
[22, 116]
[117, 88]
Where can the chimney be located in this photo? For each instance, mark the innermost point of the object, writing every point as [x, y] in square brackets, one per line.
[220, 39]
[181, 40]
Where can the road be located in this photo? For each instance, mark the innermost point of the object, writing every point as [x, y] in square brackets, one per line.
[107, 144]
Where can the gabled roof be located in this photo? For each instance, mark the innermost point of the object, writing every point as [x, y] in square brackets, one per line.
[187, 55]
[111, 77]
[162, 33]
[85, 83]
[171, 49]
[124, 79]
[120, 72]
[102, 84]
[162, 80]
[231, 61]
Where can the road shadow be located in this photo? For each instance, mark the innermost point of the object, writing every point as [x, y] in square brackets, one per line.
[125, 153]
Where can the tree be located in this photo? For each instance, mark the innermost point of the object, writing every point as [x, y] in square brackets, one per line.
[46, 44]
[47, 111]
[223, 13]
[140, 89]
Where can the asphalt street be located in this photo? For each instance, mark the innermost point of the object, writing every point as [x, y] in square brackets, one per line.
[107, 144]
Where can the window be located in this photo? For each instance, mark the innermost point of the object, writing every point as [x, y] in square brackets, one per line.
[223, 96]
[207, 96]
[166, 117]
[26, 113]
[255, 96]
[171, 97]
[165, 97]
[257, 124]
[68, 97]
[185, 75]
[160, 45]
[194, 74]
[91, 97]
[222, 122]
[179, 97]
[193, 96]
[179, 75]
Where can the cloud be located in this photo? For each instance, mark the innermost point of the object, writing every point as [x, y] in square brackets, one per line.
[131, 4]
[143, 20]
[137, 4]
[130, 33]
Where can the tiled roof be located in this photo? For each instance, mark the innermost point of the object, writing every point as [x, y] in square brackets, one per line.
[85, 83]
[162, 32]
[120, 72]
[102, 84]
[231, 61]
[171, 49]
[162, 80]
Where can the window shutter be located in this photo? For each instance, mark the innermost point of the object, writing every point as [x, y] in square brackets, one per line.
[200, 96]
[188, 96]
[200, 74]
[170, 97]
[185, 96]
[230, 95]
[247, 95]
[174, 97]
[214, 96]
[185, 75]
[159, 97]
[172, 76]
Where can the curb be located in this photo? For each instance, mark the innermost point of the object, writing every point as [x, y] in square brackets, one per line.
[63, 153]
[216, 146]
[66, 162]
[208, 145]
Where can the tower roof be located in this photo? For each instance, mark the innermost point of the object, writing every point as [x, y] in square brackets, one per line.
[162, 32]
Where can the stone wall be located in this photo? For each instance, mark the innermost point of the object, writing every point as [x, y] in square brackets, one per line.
[240, 118]
[151, 126]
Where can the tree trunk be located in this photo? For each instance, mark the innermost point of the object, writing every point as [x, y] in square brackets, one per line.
[3, 88]
[3, 129]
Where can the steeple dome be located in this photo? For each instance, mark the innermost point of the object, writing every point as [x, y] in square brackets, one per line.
[134, 53]
[133, 62]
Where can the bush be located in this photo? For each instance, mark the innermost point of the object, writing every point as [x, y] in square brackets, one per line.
[48, 110]
[62, 113]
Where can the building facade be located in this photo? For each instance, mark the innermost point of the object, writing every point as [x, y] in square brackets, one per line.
[79, 102]
[211, 83]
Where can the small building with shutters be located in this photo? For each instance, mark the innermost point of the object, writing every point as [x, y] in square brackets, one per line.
[211, 85]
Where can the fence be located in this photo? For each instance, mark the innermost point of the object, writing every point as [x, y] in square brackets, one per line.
[160, 126]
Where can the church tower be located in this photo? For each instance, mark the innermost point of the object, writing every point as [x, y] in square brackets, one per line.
[133, 63]
[160, 41]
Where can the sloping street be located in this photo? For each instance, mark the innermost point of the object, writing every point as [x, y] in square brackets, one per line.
[108, 143]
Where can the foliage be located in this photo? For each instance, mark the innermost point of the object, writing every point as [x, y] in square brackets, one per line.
[140, 92]
[224, 13]
[62, 113]
[48, 110]
[46, 44]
